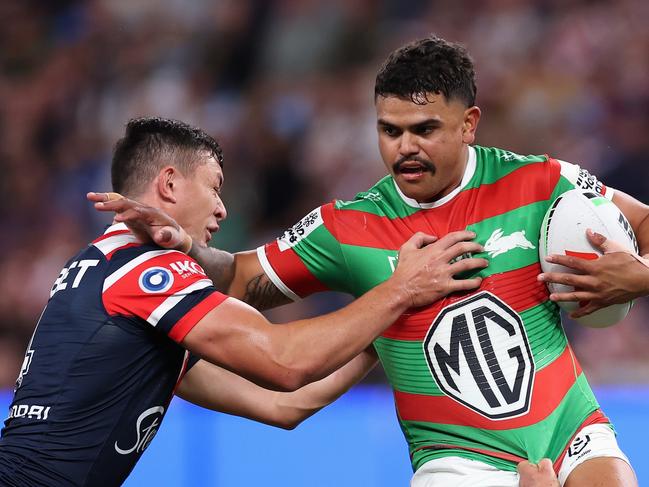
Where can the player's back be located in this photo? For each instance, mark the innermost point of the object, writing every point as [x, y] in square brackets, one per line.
[95, 382]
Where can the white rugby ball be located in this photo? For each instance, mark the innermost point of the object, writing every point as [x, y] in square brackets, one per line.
[563, 232]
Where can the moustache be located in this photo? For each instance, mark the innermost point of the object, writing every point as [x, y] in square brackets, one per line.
[428, 165]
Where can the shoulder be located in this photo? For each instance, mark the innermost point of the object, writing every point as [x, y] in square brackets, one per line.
[376, 199]
[507, 158]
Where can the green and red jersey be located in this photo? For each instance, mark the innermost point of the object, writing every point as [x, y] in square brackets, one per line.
[487, 374]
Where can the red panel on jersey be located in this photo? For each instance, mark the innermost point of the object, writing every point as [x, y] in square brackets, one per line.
[292, 271]
[550, 386]
[518, 288]
[196, 314]
[128, 296]
[468, 207]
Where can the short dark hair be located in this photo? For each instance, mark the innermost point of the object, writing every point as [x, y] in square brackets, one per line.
[149, 143]
[429, 65]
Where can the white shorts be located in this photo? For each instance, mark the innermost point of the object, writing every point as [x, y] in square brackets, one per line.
[596, 440]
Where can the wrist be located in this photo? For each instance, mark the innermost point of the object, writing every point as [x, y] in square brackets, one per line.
[398, 294]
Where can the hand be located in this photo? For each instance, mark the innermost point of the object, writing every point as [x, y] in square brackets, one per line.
[616, 277]
[147, 223]
[541, 475]
[426, 266]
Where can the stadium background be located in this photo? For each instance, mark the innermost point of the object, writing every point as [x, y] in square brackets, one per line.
[286, 87]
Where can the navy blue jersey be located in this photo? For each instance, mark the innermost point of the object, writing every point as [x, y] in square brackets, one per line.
[103, 363]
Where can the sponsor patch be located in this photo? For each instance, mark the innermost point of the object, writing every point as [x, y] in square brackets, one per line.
[291, 237]
[156, 280]
[581, 178]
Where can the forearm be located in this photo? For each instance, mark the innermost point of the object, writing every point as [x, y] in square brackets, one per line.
[291, 408]
[286, 357]
[321, 345]
[217, 389]
[218, 265]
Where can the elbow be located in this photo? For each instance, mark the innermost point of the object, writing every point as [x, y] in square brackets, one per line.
[288, 425]
[292, 373]
[290, 380]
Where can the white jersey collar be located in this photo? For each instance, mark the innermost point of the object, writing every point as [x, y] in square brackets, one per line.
[468, 174]
[117, 227]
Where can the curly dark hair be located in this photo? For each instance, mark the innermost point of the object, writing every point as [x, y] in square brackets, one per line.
[425, 66]
[151, 142]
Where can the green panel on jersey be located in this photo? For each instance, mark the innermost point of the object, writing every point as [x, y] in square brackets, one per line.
[533, 442]
[563, 185]
[322, 256]
[382, 199]
[382, 262]
[514, 234]
[406, 368]
[544, 333]
[494, 163]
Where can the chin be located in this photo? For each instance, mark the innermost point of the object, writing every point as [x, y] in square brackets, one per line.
[417, 192]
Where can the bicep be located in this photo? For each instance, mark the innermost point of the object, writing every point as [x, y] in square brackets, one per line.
[251, 284]
[237, 337]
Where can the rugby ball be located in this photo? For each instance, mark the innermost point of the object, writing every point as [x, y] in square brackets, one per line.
[563, 232]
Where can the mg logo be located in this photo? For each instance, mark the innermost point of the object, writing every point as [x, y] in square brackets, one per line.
[478, 353]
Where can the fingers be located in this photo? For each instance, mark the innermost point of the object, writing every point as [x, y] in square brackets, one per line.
[453, 238]
[575, 263]
[468, 264]
[574, 296]
[103, 197]
[462, 248]
[575, 280]
[604, 244]
[465, 284]
[417, 241]
[541, 475]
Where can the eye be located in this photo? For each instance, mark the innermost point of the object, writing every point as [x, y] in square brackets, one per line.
[424, 130]
[390, 130]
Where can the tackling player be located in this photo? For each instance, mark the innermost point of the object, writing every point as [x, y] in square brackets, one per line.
[483, 379]
[113, 343]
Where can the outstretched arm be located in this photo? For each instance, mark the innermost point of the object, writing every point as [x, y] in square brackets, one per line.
[235, 336]
[215, 388]
[238, 275]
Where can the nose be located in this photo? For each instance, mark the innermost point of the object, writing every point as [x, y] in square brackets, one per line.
[219, 211]
[408, 144]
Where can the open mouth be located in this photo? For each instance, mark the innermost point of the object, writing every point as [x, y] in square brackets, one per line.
[411, 170]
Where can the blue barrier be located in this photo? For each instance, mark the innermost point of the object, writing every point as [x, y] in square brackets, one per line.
[355, 441]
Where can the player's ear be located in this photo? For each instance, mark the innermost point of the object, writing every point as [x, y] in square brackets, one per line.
[470, 124]
[166, 183]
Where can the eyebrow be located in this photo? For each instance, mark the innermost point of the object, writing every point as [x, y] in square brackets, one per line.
[429, 122]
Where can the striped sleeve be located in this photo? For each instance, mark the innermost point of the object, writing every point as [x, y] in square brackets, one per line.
[573, 176]
[307, 258]
[166, 288]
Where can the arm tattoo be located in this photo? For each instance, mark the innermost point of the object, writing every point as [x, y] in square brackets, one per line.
[262, 294]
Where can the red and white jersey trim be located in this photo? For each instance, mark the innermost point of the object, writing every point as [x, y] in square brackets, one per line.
[272, 275]
[125, 269]
[115, 237]
[169, 303]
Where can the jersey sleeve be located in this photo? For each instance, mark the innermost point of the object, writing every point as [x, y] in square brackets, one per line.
[307, 257]
[566, 176]
[165, 288]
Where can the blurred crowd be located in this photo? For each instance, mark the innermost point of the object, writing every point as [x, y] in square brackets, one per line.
[286, 87]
